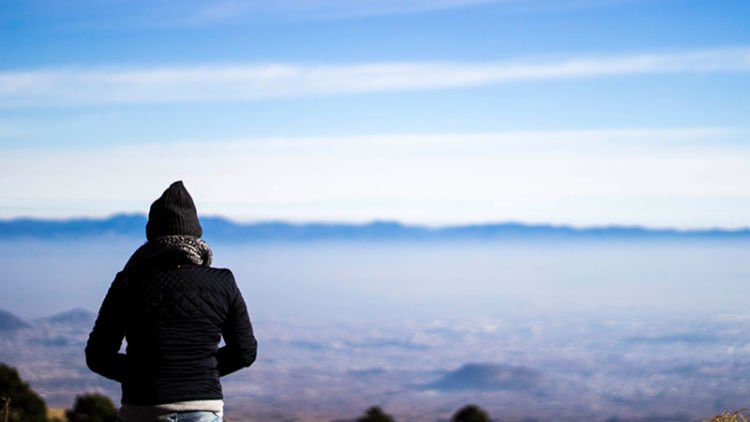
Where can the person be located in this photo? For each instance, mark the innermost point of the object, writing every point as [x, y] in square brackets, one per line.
[172, 308]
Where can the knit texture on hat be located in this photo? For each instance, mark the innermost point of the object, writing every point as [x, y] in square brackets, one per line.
[173, 214]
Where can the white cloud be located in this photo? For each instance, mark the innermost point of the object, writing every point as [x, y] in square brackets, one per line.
[217, 83]
[665, 177]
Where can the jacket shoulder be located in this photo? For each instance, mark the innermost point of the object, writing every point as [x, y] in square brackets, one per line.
[220, 276]
[224, 273]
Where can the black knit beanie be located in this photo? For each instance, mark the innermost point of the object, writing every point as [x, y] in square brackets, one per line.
[173, 213]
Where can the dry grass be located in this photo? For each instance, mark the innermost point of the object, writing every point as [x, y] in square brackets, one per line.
[56, 413]
[736, 416]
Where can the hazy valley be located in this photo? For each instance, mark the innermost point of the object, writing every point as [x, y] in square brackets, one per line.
[565, 329]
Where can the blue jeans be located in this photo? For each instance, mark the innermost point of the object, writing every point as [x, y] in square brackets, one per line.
[191, 417]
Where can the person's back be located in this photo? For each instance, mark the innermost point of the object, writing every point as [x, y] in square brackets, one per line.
[172, 308]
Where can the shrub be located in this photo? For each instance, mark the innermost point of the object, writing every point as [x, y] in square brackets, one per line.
[25, 405]
[92, 407]
[375, 414]
[470, 413]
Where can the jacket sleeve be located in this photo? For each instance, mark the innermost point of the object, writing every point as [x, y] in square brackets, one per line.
[240, 347]
[102, 349]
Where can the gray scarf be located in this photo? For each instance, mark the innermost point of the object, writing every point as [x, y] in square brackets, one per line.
[170, 250]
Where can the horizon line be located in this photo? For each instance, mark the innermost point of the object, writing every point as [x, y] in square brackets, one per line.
[391, 221]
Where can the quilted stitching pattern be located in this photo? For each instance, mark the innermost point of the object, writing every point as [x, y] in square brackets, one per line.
[174, 319]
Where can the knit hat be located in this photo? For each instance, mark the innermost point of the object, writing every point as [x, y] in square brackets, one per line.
[173, 213]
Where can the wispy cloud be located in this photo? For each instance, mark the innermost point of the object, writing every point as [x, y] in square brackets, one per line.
[253, 82]
[236, 10]
[684, 177]
[190, 13]
[227, 10]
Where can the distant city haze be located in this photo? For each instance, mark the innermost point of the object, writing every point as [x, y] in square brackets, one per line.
[565, 328]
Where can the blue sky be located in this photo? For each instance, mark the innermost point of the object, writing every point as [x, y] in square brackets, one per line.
[583, 112]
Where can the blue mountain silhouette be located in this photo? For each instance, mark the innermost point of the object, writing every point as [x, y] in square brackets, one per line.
[219, 228]
[9, 322]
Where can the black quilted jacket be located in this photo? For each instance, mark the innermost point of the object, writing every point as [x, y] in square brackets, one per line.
[172, 320]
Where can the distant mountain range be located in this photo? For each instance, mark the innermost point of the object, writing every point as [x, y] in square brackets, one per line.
[222, 229]
[9, 322]
[73, 316]
[77, 317]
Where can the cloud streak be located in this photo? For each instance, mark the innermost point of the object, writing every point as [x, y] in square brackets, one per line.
[256, 82]
[228, 10]
[193, 13]
[658, 177]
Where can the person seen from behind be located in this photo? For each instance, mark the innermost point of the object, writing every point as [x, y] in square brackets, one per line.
[172, 308]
